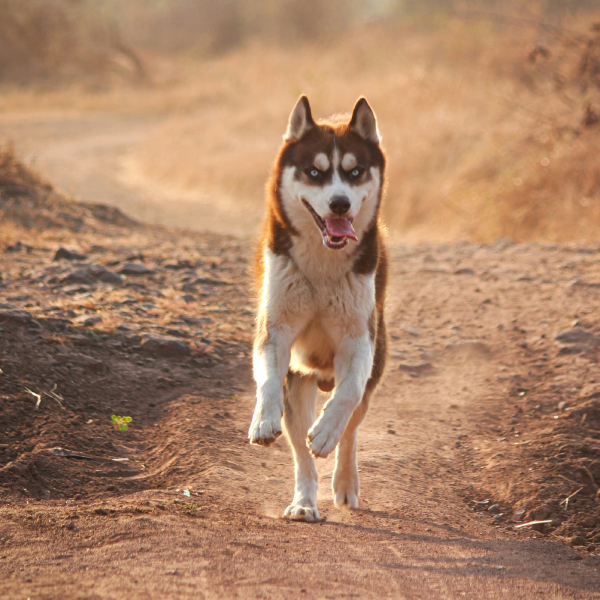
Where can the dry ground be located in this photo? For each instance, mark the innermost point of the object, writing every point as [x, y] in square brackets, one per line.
[485, 421]
[469, 413]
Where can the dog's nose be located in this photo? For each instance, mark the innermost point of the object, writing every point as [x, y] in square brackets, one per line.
[339, 205]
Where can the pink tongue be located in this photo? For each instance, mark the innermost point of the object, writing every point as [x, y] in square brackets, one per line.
[340, 228]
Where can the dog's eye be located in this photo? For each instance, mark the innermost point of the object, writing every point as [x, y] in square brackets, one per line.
[314, 173]
[355, 173]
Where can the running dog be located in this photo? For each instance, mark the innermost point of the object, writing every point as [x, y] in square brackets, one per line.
[321, 274]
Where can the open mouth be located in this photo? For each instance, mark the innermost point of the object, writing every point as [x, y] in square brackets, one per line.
[335, 232]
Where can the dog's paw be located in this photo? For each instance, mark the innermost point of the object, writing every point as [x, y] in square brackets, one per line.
[264, 431]
[321, 439]
[295, 512]
[346, 488]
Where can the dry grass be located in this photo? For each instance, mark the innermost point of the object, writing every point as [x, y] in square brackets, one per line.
[467, 121]
[482, 140]
[50, 42]
[12, 174]
[28, 203]
[11, 234]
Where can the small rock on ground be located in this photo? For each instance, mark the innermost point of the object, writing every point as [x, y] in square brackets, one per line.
[135, 269]
[163, 346]
[68, 254]
[578, 336]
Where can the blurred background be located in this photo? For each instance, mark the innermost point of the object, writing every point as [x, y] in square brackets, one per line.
[173, 110]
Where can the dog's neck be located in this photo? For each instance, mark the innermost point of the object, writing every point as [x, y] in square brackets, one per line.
[318, 263]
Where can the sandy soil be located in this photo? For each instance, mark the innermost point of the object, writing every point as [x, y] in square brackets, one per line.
[468, 413]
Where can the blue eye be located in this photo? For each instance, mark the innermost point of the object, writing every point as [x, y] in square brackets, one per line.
[355, 172]
[314, 173]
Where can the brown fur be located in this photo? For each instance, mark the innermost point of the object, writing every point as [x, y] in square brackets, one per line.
[370, 254]
[278, 232]
[327, 310]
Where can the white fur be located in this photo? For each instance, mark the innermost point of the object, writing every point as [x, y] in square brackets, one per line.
[271, 361]
[313, 305]
[321, 161]
[297, 419]
[349, 161]
[328, 312]
[363, 205]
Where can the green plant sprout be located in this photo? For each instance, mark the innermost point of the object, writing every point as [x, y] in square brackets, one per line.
[120, 423]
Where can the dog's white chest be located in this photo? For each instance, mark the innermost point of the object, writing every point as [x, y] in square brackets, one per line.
[332, 293]
[324, 306]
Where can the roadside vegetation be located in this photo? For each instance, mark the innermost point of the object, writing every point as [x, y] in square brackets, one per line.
[490, 115]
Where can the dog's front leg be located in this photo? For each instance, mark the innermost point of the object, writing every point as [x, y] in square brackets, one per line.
[271, 361]
[353, 363]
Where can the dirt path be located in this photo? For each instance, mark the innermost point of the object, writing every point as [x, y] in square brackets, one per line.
[466, 321]
[93, 158]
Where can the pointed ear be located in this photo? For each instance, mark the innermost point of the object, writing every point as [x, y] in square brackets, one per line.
[300, 121]
[363, 122]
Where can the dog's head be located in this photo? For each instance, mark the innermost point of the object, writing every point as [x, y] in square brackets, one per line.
[330, 175]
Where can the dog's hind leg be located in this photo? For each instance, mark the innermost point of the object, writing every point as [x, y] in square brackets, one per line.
[298, 416]
[345, 483]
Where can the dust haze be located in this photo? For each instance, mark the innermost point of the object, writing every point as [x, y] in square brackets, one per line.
[174, 110]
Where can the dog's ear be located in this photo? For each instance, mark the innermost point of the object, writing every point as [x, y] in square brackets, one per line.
[363, 121]
[300, 122]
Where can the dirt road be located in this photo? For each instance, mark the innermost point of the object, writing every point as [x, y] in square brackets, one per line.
[466, 323]
[94, 159]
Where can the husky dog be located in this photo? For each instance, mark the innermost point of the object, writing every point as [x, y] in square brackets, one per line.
[321, 275]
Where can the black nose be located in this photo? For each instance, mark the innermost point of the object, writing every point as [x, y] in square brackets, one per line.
[339, 205]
